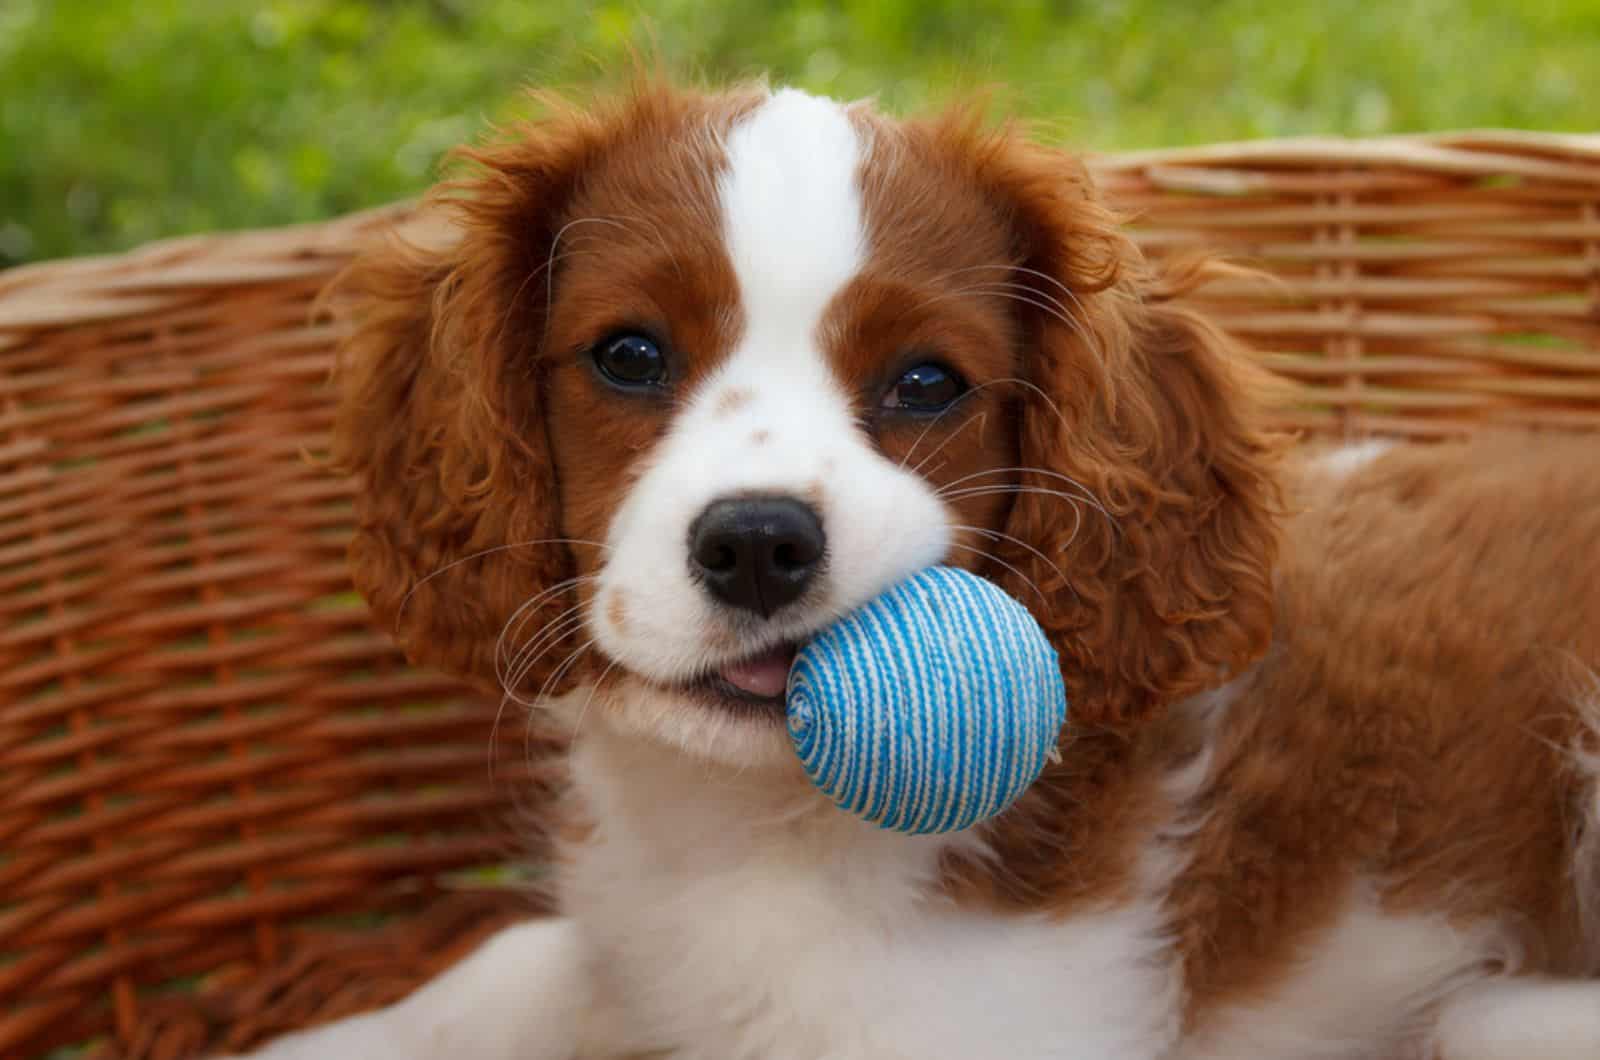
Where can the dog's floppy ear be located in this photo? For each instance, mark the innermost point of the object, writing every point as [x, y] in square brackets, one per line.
[1158, 573]
[441, 413]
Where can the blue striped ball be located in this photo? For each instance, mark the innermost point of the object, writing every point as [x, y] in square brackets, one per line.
[929, 709]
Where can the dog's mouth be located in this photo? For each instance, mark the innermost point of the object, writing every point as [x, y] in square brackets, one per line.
[753, 683]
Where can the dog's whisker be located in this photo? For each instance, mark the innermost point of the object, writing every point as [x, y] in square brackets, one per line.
[989, 287]
[1012, 267]
[1046, 277]
[981, 417]
[1052, 307]
[549, 637]
[561, 671]
[508, 681]
[992, 558]
[552, 258]
[505, 654]
[1051, 403]
[551, 634]
[489, 552]
[989, 491]
[550, 287]
[1071, 295]
[1040, 300]
[999, 535]
[1005, 380]
[556, 628]
[516, 678]
[931, 424]
[520, 616]
[548, 266]
[1025, 469]
[523, 614]
[1010, 487]
[994, 286]
[1003, 290]
[1088, 495]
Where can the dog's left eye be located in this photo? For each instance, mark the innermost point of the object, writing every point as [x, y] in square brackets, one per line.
[925, 388]
[631, 361]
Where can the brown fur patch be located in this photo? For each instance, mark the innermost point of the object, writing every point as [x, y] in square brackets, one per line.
[617, 610]
[1411, 725]
[760, 437]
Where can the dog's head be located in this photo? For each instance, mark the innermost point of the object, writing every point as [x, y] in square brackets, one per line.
[700, 373]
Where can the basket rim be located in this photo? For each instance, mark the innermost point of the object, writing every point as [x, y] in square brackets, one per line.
[1455, 151]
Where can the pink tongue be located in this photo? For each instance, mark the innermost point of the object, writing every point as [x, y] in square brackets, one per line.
[766, 675]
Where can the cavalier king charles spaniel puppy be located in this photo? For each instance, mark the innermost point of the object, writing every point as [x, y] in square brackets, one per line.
[695, 374]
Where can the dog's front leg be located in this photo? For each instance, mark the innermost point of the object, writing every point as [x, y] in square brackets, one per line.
[525, 994]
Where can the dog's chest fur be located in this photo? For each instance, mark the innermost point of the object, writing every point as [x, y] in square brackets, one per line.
[731, 921]
[733, 917]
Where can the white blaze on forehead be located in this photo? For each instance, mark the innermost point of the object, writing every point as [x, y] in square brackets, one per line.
[792, 217]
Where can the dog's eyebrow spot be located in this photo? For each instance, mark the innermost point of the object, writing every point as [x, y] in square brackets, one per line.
[732, 400]
[760, 437]
[617, 610]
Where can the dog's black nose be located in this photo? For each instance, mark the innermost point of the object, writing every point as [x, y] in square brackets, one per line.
[757, 553]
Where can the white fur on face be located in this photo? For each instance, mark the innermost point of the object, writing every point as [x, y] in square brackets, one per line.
[772, 420]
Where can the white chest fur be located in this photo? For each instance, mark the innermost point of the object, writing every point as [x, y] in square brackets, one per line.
[729, 921]
[719, 916]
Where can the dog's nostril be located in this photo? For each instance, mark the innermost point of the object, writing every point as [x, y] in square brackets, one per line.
[788, 557]
[757, 553]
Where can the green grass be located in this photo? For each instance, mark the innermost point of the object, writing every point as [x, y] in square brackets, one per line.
[127, 120]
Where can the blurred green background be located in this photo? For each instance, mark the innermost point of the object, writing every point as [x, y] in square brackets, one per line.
[126, 120]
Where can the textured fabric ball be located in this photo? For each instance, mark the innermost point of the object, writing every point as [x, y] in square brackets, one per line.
[929, 709]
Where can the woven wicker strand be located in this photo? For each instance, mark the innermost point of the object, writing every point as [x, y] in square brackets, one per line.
[214, 769]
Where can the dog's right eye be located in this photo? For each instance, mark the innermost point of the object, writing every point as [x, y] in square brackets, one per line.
[928, 387]
[631, 361]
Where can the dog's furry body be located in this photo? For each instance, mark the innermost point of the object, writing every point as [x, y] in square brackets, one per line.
[1329, 788]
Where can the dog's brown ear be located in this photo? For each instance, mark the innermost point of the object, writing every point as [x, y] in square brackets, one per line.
[1150, 493]
[457, 511]
[441, 412]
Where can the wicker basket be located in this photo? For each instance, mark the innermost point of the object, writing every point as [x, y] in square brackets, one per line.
[215, 773]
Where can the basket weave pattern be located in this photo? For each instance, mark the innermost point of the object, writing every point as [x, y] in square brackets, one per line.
[210, 761]
[1428, 284]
